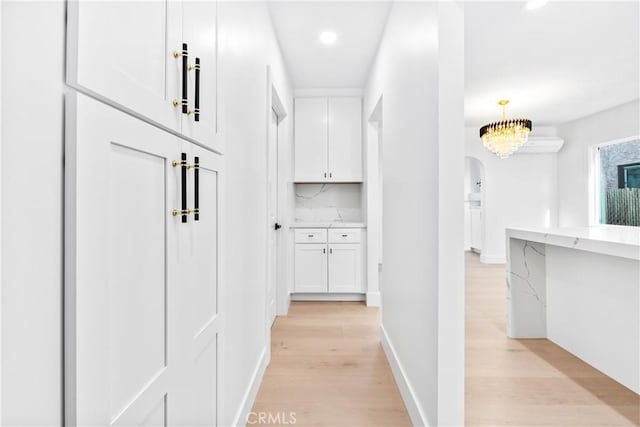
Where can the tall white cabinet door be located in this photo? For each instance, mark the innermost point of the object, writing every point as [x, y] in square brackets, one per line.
[345, 139]
[197, 293]
[118, 243]
[345, 268]
[311, 267]
[199, 31]
[311, 139]
[122, 51]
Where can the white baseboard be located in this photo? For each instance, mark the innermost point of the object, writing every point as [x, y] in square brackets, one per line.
[250, 394]
[283, 307]
[374, 299]
[492, 259]
[327, 297]
[418, 417]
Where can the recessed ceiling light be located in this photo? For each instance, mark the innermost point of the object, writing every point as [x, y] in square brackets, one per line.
[535, 4]
[328, 37]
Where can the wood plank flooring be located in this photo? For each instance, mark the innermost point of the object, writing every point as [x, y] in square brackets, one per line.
[529, 382]
[328, 367]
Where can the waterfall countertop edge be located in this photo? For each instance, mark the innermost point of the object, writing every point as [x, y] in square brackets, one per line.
[620, 241]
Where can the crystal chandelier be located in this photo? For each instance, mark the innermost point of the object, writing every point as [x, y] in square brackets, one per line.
[504, 137]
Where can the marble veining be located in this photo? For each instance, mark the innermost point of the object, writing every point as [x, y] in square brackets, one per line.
[332, 203]
[623, 241]
[526, 289]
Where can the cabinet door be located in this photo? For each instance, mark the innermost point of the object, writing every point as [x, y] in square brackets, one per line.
[345, 139]
[476, 228]
[197, 293]
[345, 268]
[122, 52]
[119, 187]
[311, 267]
[199, 31]
[310, 139]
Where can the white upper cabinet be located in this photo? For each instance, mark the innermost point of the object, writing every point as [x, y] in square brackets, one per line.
[199, 31]
[311, 139]
[328, 139]
[345, 139]
[130, 54]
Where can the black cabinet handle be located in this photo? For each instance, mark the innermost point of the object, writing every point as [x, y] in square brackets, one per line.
[185, 60]
[196, 186]
[324, 250]
[277, 226]
[330, 251]
[196, 110]
[183, 187]
[344, 235]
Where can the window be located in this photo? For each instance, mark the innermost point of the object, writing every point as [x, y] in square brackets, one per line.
[618, 182]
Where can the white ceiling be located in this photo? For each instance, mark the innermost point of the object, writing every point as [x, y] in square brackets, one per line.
[556, 64]
[345, 64]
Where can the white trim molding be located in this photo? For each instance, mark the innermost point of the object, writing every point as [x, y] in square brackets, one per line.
[250, 394]
[416, 413]
[374, 299]
[493, 259]
[327, 297]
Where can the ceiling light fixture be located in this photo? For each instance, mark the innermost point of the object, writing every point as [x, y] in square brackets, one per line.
[504, 137]
[535, 4]
[328, 37]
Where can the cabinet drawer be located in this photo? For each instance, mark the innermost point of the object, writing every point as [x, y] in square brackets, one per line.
[344, 235]
[311, 235]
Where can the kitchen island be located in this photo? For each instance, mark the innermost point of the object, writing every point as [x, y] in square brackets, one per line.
[580, 288]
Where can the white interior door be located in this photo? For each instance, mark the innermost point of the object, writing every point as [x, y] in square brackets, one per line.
[118, 298]
[345, 268]
[199, 32]
[311, 139]
[345, 139]
[272, 206]
[311, 267]
[122, 51]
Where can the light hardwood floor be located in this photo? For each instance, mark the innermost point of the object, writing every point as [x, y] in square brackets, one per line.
[529, 382]
[329, 368]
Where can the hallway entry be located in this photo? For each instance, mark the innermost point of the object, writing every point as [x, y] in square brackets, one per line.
[328, 368]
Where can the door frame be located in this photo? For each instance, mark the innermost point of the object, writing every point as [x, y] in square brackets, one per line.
[274, 105]
[373, 173]
[1, 213]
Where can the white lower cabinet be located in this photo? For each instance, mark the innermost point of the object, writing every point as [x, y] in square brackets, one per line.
[141, 285]
[324, 266]
[476, 229]
[345, 267]
[311, 267]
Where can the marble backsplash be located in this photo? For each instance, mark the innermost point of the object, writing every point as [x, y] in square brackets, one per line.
[328, 202]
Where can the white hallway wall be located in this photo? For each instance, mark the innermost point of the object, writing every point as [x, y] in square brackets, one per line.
[520, 191]
[574, 158]
[422, 283]
[32, 147]
[247, 46]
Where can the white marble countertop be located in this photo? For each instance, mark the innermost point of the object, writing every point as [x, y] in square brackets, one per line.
[606, 239]
[333, 224]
